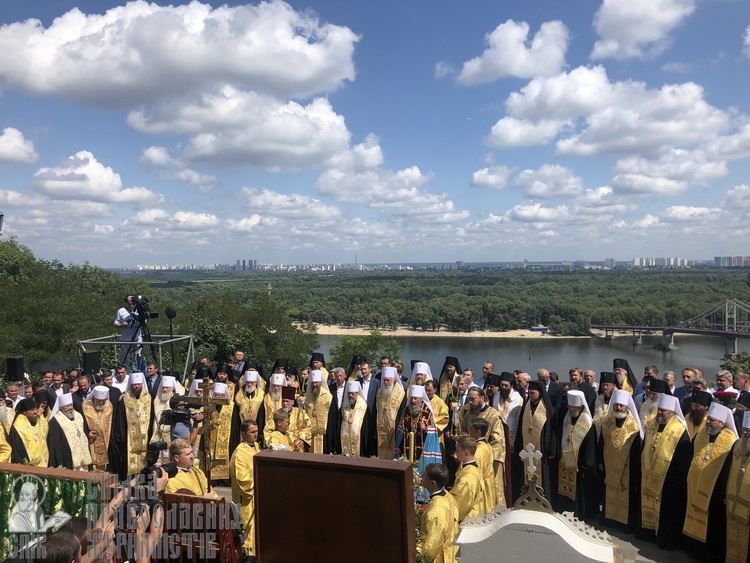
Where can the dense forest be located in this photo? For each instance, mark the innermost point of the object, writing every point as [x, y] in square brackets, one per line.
[568, 302]
[47, 307]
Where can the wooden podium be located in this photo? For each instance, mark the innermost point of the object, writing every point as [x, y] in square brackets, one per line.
[312, 507]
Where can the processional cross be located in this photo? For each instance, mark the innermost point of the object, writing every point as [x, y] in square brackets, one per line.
[532, 495]
[530, 455]
[209, 404]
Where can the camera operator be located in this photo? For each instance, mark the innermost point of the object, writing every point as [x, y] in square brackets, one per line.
[130, 331]
[185, 424]
[189, 479]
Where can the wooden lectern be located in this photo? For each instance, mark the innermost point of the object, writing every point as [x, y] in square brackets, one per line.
[313, 507]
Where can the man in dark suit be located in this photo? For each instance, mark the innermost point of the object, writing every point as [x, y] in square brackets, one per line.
[57, 389]
[153, 379]
[114, 392]
[333, 428]
[370, 387]
[552, 388]
[239, 366]
[577, 382]
[684, 392]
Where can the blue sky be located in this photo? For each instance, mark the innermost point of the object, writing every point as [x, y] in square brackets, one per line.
[137, 133]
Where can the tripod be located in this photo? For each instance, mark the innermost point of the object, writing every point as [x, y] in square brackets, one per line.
[140, 334]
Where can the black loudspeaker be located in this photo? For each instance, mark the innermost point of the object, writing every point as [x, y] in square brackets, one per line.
[92, 362]
[15, 369]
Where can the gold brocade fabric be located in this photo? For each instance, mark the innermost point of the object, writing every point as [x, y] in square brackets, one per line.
[280, 441]
[299, 426]
[738, 506]
[693, 430]
[78, 442]
[101, 422]
[440, 521]
[572, 438]
[531, 428]
[241, 474]
[496, 441]
[617, 444]
[442, 415]
[446, 386]
[194, 480]
[351, 427]
[271, 407]
[468, 490]
[6, 417]
[387, 412]
[220, 442]
[626, 386]
[34, 439]
[5, 449]
[486, 464]
[647, 412]
[138, 412]
[600, 411]
[658, 449]
[249, 406]
[317, 412]
[708, 459]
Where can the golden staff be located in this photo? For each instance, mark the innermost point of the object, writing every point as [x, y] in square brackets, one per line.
[411, 446]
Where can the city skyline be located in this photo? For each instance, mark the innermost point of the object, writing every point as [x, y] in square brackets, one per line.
[311, 131]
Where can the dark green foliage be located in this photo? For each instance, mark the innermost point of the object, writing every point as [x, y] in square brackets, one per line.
[372, 347]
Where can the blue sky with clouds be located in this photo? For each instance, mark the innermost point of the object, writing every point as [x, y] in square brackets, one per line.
[311, 131]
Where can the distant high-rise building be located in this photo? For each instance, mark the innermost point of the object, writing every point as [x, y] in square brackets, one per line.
[609, 262]
[244, 266]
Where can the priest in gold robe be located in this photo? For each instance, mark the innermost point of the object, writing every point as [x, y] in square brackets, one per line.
[601, 404]
[272, 402]
[417, 419]
[647, 410]
[468, 489]
[389, 403]
[619, 458]
[317, 405]
[451, 367]
[705, 520]
[28, 435]
[68, 439]
[665, 460]
[354, 421]
[476, 407]
[440, 518]
[299, 422]
[250, 399]
[483, 456]
[242, 476]
[161, 431]
[98, 412]
[696, 418]
[624, 375]
[440, 410]
[224, 434]
[190, 479]
[5, 449]
[133, 419]
[280, 438]
[738, 493]
[577, 471]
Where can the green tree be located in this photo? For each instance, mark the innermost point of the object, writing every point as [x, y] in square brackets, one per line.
[737, 364]
[371, 347]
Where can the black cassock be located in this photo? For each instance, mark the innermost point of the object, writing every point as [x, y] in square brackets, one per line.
[57, 444]
[18, 453]
[586, 504]
[332, 444]
[634, 484]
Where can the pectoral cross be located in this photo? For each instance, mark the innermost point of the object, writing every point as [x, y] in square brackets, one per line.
[209, 407]
[530, 455]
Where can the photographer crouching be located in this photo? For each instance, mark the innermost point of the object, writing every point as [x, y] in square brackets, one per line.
[184, 422]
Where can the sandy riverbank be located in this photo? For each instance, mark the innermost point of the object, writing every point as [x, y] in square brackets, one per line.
[336, 330]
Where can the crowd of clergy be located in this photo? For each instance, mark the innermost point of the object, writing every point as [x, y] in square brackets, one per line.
[664, 462]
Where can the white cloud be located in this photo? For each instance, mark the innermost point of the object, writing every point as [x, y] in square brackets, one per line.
[536, 213]
[507, 53]
[15, 149]
[192, 177]
[85, 178]
[680, 68]
[694, 167]
[646, 185]
[548, 181]
[63, 209]
[267, 202]
[443, 70]
[154, 157]
[684, 213]
[617, 117]
[493, 177]
[738, 198]
[141, 52]
[512, 132]
[246, 224]
[746, 41]
[649, 221]
[13, 198]
[637, 28]
[234, 127]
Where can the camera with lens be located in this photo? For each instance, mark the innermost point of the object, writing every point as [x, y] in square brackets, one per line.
[143, 309]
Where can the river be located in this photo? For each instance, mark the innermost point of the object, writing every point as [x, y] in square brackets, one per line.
[560, 354]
